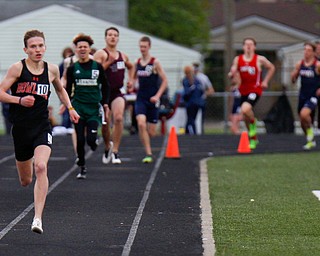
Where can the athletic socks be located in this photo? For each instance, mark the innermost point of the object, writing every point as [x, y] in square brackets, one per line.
[252, 128]
[310, 135]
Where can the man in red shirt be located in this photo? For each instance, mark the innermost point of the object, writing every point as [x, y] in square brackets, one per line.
[249, 66]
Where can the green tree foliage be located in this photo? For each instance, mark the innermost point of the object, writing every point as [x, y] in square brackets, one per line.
[181, 21]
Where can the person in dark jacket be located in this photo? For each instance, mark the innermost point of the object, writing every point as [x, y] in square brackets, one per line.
[193, 98]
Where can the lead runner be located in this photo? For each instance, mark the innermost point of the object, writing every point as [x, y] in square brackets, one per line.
[29, 81]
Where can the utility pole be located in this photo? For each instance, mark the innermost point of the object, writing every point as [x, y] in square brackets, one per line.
[229, 17]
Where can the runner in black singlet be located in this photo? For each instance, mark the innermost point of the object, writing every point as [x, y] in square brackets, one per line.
[29, 81]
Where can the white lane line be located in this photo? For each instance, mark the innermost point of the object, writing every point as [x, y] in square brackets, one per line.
[137, 219]
[31, 206]
[4, 159]
[316, 193]
[208, 245]
[58, 158]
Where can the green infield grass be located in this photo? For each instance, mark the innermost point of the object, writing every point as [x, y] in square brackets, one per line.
[264, 204]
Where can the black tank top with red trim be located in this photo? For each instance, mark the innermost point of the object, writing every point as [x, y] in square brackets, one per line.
[29, 84]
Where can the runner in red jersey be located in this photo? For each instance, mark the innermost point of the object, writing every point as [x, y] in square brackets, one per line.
[249, 67]
[250, 76]
[114, 63]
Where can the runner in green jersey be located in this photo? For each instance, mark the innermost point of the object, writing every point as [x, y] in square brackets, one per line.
[88, 88]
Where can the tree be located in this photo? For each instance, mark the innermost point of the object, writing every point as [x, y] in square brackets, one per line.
[184, 22]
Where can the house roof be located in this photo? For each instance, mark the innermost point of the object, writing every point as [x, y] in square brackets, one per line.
[115, 11]
[61, 24]
[295, 14]
[269, 34]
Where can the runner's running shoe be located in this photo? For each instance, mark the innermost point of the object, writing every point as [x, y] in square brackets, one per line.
[147, 160]
[115, 158]
[37, 226]
[106, 157]
[83, 173]
[310, 145]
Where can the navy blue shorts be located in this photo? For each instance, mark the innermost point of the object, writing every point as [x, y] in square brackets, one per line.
[27, 138]
[236, 107]
[147, 108]
[310, 103]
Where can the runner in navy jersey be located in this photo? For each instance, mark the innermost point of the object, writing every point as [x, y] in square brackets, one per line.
[317, 43]
[309, 71]
[148, 71]
[29, 81]
[115, 63]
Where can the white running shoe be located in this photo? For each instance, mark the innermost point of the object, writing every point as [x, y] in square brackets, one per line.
[82, 173]
[37, 226]
[106, 159]
[310, 145]
[115, 158]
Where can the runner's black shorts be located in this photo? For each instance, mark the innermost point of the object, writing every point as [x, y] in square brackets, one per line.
[251, 98]
[27, 137]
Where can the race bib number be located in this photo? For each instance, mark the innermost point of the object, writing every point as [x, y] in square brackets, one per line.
[252, 70]
[314, 100]
[95, 74]
[252, 96]
[49, 139]
[120, 65]
[42, 89]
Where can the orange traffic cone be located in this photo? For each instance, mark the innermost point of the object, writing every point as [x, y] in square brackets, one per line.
[244, 145]
[172, 145]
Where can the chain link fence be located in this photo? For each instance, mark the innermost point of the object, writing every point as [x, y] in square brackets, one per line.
[219, 106]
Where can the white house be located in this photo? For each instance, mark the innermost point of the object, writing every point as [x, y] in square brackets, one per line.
[270, 35]
[61, 24]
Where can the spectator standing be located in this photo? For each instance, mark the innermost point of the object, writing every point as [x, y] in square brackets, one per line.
[249, 67]
[193, 98]
[309, 71]
[66, 53]
[207, 89]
